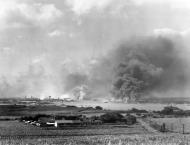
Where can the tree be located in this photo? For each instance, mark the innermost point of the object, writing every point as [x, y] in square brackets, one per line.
[98, 108]
[112, 117]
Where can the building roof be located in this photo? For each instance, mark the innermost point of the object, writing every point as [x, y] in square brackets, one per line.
[68, 121]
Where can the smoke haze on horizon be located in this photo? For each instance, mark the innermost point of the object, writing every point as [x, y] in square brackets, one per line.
[51, 48]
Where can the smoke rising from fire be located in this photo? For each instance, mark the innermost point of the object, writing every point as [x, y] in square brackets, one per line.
[136, 68]
[149, 65]
[91, 49]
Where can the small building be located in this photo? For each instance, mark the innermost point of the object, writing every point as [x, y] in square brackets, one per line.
[171, 110]
[28, 103]
[61, 123]
[46, 121]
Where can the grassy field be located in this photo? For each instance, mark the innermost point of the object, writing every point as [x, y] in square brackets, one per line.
[14, 132]
[174, 124]
[21, 110]
[101, 140]
[19, 133]
[15, 128]
[12, 128]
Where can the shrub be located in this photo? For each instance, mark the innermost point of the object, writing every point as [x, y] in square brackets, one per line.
[130, 119]
[134, 110]
[98, 108]
[111, 117]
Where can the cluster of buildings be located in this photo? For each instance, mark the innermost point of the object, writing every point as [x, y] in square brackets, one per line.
[47, 121]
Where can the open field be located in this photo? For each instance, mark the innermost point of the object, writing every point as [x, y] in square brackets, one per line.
[15, 128]
[175, 139]
[20, 110]
[175, 124]
[14, 132]
[125, 106]
[13, 110]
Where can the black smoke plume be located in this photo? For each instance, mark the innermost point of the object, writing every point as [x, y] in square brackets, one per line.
[147, 65]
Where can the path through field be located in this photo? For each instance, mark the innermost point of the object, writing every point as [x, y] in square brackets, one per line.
[147, 126]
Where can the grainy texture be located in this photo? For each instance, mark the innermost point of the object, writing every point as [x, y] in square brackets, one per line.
[101, 140]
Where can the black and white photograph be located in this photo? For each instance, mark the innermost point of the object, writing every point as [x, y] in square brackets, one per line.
[94, 72]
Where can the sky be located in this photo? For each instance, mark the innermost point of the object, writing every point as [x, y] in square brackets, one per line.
[42, 42]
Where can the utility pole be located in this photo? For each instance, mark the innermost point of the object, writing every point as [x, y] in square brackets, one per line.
[183, 128]
[172, 127]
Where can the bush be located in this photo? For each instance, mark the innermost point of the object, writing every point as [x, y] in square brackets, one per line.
[68, 117]
[130, 119]
[98, 108]
[34, 117]
[111, 117]
[134, 110]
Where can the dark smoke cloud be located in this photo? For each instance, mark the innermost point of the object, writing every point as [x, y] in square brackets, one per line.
[147, 65]
[138, 68]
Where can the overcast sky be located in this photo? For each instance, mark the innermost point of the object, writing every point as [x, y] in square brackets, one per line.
[48, 36]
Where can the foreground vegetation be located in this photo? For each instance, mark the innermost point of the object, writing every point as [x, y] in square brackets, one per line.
[102, 140]
[14, 132]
